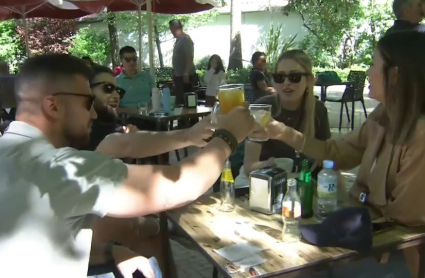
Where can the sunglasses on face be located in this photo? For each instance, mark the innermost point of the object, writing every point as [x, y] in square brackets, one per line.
[89, 102]
[109, 88]
[130, 59]
[295, 77]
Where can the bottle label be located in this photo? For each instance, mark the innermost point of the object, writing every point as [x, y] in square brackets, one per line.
[291, 209]
[327, 187]
[227, 175]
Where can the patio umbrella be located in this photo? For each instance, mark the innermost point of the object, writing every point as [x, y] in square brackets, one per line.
[156, 6]
[23, 9]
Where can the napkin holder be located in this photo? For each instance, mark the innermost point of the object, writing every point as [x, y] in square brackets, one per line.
[267, 188]
[190, 100]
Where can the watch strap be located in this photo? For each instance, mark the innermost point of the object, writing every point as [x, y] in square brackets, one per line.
[227, 137]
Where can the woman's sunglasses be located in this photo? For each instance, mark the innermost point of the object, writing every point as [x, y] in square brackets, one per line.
[109, 88]
[295, 77]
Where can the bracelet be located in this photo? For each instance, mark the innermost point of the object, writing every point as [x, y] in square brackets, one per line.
[227, 137]
[108, 251]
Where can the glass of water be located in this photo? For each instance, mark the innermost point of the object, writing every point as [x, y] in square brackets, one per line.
[262, 115]
[143, 108]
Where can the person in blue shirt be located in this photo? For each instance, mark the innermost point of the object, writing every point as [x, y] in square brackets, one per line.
[137, 84]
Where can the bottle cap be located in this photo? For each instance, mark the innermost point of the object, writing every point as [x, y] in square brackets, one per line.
[292, 182]
[328, 164]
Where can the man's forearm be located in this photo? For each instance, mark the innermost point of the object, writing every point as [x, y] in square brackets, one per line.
[143, 143]
[198, 173]
[151, 189]
[189, 65]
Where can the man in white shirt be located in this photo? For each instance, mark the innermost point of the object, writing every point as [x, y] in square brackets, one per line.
[49, 191]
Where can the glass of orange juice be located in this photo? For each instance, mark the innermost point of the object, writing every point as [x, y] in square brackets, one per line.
[229, 97]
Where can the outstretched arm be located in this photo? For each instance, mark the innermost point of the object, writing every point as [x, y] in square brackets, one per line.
[142, 144]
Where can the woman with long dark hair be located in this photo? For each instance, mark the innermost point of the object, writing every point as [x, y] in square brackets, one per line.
[214, 77]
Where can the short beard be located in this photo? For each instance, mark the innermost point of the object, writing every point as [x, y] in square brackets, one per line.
[104, 114]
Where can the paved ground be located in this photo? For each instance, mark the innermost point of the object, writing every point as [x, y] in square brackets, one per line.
[192, 264]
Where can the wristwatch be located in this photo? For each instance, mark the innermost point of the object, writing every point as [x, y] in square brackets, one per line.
[227, 137]
[108, 251]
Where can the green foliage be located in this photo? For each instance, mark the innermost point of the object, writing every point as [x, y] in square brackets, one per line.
[274, 44]
[341, 33]
[242, 76]
[202, 63]
[11, 48]
[93, 43]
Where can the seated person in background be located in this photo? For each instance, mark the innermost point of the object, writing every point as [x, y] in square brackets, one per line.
[215, 77]
[295, 106]
[137, 84]
[390, 145]
[259, 78]
[118, 70]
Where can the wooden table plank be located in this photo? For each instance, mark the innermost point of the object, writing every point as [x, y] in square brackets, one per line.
[211, 229]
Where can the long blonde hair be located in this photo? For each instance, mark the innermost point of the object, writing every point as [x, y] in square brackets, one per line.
[308, 103]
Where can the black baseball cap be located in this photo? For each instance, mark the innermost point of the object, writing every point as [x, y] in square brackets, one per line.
[349, 228]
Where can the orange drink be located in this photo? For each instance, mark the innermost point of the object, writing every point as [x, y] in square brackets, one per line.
[231, 96]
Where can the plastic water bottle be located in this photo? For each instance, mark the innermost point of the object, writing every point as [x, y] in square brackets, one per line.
[327, 186]
[156, 100]
[166, 100]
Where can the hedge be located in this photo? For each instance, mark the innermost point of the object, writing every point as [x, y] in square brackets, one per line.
[242, 75]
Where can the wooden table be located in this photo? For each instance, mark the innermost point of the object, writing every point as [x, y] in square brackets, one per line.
[211, 229]
[324, 86]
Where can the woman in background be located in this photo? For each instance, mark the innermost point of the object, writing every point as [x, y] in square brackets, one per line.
[215, 77]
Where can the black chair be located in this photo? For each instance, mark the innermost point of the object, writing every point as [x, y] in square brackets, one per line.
[352, 93]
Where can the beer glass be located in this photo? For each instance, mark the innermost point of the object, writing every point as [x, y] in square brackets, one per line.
[229, 97]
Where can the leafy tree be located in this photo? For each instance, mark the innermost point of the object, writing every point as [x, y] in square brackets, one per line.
[48, 35]
[92, 43]
[11, 48]
[341, 32]
[328, 22]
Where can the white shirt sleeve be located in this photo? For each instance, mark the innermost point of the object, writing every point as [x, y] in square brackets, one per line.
[84, 181]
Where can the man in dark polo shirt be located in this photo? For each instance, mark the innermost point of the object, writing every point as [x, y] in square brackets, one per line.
[259, 79]
[409, 14]
[184, 74]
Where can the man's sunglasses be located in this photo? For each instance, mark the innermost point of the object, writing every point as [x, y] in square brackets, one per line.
[132, 59]
[295, 77]
[89, 102]
[109, 88]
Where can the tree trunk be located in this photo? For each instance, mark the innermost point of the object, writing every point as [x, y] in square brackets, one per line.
[158, 44]
[113, 39]
[235, 58]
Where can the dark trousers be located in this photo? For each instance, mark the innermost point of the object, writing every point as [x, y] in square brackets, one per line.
[180, 88]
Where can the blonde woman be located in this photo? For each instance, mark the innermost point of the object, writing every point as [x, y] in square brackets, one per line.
[294, 105]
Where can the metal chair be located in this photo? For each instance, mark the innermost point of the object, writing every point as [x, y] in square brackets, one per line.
[352, 93]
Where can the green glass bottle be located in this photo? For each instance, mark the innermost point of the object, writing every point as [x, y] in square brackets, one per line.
[305, 190]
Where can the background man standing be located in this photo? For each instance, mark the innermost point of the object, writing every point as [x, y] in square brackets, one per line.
[183, 66]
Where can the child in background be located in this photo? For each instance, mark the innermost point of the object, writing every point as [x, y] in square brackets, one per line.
[215, 77]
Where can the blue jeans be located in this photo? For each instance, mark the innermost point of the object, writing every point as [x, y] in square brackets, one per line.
[396, 267]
